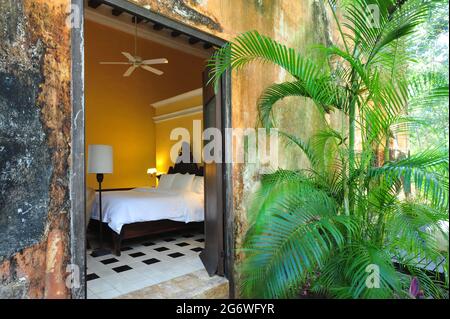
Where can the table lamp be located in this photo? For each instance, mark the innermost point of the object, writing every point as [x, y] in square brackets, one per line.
[152, 172]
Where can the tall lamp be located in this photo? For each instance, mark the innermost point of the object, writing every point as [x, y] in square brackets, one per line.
[100, 161]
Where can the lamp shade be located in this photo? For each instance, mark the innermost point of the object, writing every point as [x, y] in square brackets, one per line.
[100, 159]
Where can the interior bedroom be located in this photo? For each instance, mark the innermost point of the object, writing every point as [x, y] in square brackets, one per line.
[140, 84]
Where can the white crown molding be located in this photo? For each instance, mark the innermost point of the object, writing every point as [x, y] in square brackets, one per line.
[123, 24]
[178, 114]
[178, 98]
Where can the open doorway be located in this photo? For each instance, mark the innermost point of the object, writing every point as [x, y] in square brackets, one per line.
[159, 219]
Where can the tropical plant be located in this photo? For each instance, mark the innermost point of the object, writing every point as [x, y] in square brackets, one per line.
[352, 224]
[431, 49]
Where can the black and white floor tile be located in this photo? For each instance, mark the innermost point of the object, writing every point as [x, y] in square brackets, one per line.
[143, 263]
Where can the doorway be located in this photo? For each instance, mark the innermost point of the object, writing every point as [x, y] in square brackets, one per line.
[217, 255]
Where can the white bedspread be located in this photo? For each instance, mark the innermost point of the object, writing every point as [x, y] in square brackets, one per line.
[148, 204]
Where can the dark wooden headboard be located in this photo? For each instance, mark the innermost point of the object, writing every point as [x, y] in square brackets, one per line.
[186, 168]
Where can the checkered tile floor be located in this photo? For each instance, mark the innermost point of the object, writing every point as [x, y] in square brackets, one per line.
[143, 263]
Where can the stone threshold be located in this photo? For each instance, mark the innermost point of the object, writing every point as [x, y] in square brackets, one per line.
[195, 285]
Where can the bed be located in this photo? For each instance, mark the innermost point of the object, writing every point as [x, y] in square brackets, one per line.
[148, 211]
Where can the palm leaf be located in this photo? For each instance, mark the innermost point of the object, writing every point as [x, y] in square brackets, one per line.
[252, 46]
[319, 91]
[427, 169]
[405, 227]
[347, 273]
[302, 230]
[304, 146]
[401, 23]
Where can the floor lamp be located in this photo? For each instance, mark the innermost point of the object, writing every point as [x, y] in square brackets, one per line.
[100, 162]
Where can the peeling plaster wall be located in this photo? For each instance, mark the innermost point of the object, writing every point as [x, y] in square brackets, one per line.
[35, 131]
[297, 24]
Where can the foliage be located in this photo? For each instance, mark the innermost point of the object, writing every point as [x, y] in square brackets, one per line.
[359, 203]
[430, 50]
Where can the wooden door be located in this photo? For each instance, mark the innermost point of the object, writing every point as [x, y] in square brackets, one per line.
[213, 254]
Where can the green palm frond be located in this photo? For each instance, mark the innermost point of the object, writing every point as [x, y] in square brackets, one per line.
[304, 146]
[303, 230]
[427, 89]
[392, 21]
[428, 170]
[388, 107]
[265, 195]
[401, 23]
[252, 46]
[383, 195]
[272, 192]
[378, 124]
[405, 229]
[394, 59]
[355, 64]
[361, 30]
[405, 123]
[325, 143]
[331, 182]
[319, 91]
[357, 271]
[360, 270]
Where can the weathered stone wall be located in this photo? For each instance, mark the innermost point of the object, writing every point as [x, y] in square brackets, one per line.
[35, 130]
[297, 24]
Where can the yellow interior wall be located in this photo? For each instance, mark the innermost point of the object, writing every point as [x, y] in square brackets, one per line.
[118, 110]
[164, 144]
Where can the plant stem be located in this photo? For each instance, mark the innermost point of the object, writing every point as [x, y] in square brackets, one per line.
[386, 149]
[351, 155]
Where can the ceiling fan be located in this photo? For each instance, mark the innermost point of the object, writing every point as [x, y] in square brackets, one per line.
[135, 61]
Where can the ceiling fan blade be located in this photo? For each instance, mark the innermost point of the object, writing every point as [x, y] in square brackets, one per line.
[130, 70]
[117, 63]
[129, 56]
[149, 68]
[155, 61]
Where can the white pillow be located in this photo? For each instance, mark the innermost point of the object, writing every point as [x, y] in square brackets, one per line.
[198, 185]
[183, 182]
[166, 181]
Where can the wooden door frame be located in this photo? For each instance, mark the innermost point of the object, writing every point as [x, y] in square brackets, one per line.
[77, 173]
[77, 181]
